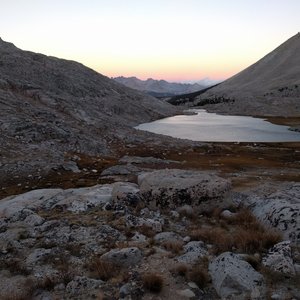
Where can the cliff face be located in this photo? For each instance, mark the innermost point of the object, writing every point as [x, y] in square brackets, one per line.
[50, 105]
[271, 86]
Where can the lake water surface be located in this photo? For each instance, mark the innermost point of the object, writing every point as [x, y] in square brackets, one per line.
[211, 127]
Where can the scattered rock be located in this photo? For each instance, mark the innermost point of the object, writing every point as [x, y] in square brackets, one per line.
[193, 251]
[126, 192]
[122, 170]
[167, 237]
[233, 278]
[38, 255]
[34, 220]
[71, 166]
[124, 257]
[82, 285]
[138, 237]
[125, 290]
[145, 160]
[186, 210]
[227, 214]
[187, 293]
[135, 222]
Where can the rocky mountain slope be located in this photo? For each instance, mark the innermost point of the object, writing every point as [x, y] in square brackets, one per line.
[49, 106]
[159, 88]
[271, 86]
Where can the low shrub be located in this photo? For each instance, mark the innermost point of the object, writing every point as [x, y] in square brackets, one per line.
[173, 246]
[199, 275]
[101, 269]
[180, 269]
[153, 282]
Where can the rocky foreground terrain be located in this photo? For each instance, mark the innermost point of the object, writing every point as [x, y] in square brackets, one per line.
[175, 233]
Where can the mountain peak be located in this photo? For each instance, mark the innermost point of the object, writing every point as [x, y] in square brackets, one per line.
[269, 86]
[6, 45]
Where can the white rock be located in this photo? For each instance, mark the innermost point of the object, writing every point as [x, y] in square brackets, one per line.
[187, 293]
[187, 239]
[31, 200]
[34, 220]
[138, 237]
[124, 257]
[36, 256]
[126, 192]
[173, 188]
[167, 237]
[227, 214]
[279, 258]
[79, 200]
[234, 278]
[193, 252]
[83, 285]
[281, 210]
[155, 225]
[71, 166]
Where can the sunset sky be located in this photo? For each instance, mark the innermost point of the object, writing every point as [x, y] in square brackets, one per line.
[166, 39]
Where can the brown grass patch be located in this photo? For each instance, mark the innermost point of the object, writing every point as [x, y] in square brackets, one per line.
[180, 269]
[101, 269]
[153, 282]
[147, 231]
[199, 275]
[173, 246]
[254, 261]
[15, 266]
[242, 232]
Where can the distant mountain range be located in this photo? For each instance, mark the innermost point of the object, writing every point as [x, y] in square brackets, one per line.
[163, 88]
[271, 86]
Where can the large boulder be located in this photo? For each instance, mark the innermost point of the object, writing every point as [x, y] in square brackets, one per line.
[173, 188]
[13, 205]
[281, 210]
[82, 199]
[234, 278]
[279, 258]
[126, 193]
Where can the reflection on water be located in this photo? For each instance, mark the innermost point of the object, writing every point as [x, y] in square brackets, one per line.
[212, 127]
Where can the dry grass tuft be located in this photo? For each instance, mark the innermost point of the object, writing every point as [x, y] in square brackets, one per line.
[153, 282]
[20, 294]
[199, 273]
[242, 232]
[15, 266]
[47, 283]
[173, 246]
[251, 241]
[253, 261]
[147, 231]
[101, 269]
[219, 237]
[180, 269]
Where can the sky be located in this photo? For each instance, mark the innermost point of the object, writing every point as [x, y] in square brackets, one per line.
[174, 40]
